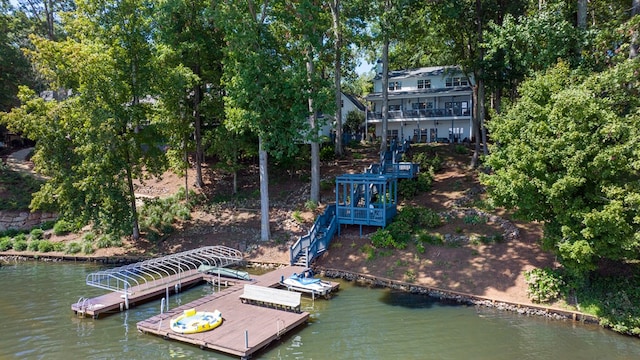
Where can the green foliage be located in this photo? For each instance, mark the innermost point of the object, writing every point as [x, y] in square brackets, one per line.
[419, 217]
[544, 285]
[87, 248]
[327, 153]
[63, 227]
[429, 161]
[36, 234]
[45, 246]
[108, 241]
[20, 244]
[311, 205]
[568, 156]
[474, 219]
[34, 245]
[73, 248]
[353, 122]
[20, 237]
[614, 298]
[17, 189]
[432, 239]
[6, 243]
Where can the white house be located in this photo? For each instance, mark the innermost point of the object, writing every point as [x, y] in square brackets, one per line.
[348, 103]
[425, 105]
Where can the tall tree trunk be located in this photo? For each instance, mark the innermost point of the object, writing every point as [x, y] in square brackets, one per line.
[186, 167]
[315, 147]
[132, 198]
[337, 33]
[385, 97]
[265, 233]
[478, 92]
[198, 130]
[582, 14]
[633, 48]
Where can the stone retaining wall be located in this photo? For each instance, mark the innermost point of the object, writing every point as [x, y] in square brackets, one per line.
[24, 220]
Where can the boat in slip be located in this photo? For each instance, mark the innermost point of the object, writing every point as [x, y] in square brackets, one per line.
[192, 321]
[306, 283]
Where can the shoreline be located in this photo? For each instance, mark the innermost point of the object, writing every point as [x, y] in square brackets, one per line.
[442, 295]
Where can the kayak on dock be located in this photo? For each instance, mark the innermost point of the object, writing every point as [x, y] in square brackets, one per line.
[230, 273]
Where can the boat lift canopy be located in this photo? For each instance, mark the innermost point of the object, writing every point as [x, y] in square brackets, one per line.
[160, 271]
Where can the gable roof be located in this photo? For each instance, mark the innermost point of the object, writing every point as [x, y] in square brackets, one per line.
[355, 101]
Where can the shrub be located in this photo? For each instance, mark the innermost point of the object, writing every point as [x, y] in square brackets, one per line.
[20, 245]
[47, 225]
[63, 227]
[6, 243]
[87, 248]
[311, 205]
[419, 217]
[544, 285]
[433, 239]
[401, 233]
[73, 248]
[327, 153]
[36, 234]
[33, 245]
[45, 246]
[20, 237]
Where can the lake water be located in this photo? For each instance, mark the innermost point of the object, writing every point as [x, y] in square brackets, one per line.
[36, 322]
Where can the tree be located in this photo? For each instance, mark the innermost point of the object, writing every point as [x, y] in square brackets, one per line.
[14, 66]
[566, 154]
[263, 86]
[93, 143]
[187, 27]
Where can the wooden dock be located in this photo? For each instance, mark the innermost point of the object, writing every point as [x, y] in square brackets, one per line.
[246, 328]
[115, 301]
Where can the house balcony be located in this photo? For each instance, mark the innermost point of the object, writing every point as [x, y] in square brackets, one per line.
[422, 114]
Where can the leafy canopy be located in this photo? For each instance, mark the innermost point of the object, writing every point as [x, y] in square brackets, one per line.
[568, 154]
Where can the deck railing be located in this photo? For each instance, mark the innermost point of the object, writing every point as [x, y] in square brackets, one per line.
[317, 240]
[420, 114]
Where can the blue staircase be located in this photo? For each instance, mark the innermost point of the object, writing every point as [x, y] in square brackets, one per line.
[317, 240]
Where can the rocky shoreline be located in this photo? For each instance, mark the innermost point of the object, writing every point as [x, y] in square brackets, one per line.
[441, 295]
[459, 298]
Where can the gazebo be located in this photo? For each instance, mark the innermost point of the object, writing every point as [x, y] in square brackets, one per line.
[366, 199]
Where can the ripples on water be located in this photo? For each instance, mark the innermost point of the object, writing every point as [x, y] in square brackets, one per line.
[358, 323]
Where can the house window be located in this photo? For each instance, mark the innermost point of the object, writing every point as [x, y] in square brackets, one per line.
[456, 81]
[395, 85]
[394, 107]
[424, 84]
[392, 134]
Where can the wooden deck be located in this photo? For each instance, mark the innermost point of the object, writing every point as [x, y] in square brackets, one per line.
[245, 329]
[114, 301]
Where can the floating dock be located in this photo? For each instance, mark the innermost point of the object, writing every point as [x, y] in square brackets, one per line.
[250, 321]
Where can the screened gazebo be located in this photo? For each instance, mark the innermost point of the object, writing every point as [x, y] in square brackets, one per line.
[366, 199]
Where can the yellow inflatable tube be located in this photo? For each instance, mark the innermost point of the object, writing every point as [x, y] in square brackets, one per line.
[192, 321]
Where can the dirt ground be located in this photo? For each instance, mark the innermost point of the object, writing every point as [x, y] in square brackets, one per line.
[492, 270]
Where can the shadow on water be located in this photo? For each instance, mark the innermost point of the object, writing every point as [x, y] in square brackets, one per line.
[412, 301]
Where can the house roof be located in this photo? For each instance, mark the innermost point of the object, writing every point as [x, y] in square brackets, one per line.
[355, 101]
[453, 91]
[420, 72]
